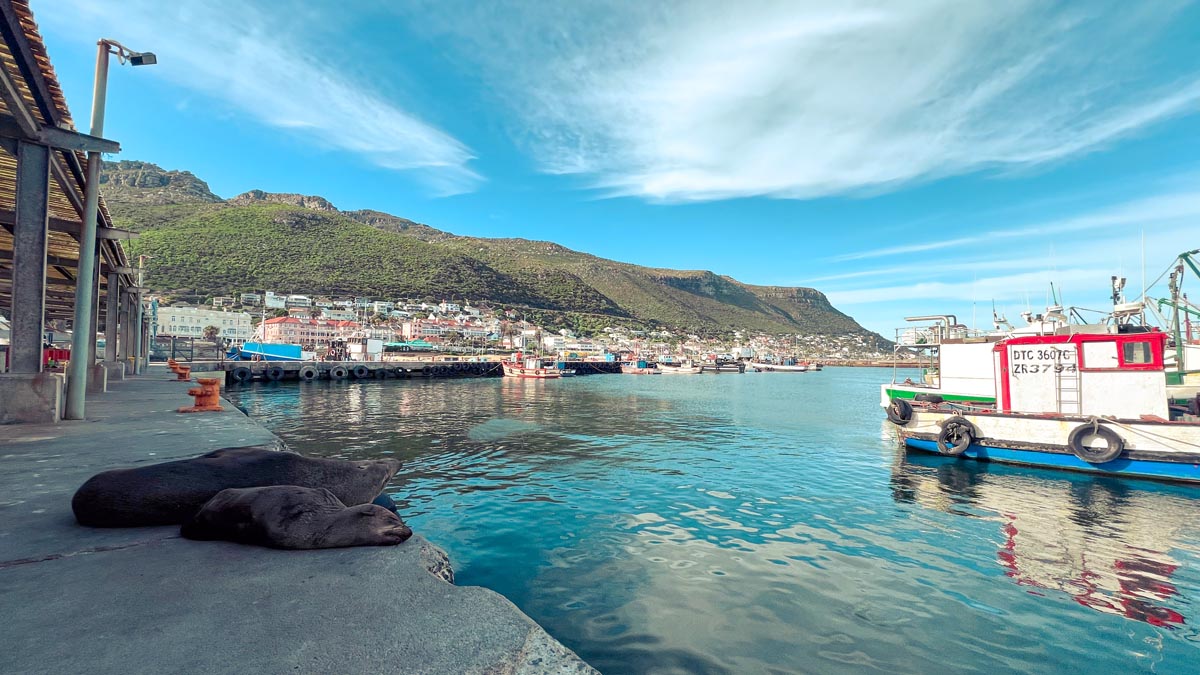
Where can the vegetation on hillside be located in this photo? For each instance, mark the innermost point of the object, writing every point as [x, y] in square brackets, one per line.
[203, 246]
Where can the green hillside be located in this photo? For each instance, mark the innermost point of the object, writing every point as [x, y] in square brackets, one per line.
[202, 245]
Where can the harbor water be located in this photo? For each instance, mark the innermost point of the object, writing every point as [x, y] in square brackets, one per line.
[765, 523]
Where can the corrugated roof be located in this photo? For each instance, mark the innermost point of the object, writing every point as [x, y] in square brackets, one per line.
[25, 61]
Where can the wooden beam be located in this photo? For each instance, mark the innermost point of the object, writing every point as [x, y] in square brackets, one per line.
[72, 228]
[71, 263]
[59, 139]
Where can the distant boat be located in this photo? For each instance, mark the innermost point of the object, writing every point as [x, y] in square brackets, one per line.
[778, 367]
[639, 368]
[266, 351]
[531, 368]
[678, 368]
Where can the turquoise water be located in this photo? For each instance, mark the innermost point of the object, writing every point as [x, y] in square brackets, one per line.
[765, 523]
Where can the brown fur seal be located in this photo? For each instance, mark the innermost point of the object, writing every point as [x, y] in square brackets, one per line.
[171, 492]
[286, 516]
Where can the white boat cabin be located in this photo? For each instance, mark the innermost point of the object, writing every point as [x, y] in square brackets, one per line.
[1111, 375]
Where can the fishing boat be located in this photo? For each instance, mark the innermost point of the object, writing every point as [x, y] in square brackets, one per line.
[268, 351]
[639, 367]
[1094, 402]
[685, 367]
[766, 367]
[530, 368]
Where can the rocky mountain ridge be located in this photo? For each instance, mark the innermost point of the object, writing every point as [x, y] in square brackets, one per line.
[203, 245]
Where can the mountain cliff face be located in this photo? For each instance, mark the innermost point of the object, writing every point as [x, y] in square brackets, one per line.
[203, 245]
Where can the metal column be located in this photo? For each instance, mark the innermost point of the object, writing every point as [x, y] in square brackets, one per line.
[29, 258]
[94, 306]
[83, 338]
[139, 330]
[125, 317]
[112, 304]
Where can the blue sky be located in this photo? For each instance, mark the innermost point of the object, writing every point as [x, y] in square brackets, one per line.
[930, 156]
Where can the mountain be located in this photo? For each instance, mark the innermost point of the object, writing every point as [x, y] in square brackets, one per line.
[203, 245]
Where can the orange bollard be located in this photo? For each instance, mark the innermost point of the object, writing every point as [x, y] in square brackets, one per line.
[182, 373]
[207, 395]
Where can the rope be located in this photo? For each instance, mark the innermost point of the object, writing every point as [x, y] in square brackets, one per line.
[1147, 434]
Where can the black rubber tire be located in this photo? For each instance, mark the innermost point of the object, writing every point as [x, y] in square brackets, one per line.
[308, 373]
[899, 412]
[956, 436]
[361, 372]
[383, 373]
[273, 373]
[402, 373]
[928, 398]
[338, 373]
[1115, 444]
[241, 374]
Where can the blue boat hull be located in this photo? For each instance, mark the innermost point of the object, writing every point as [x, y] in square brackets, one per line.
[266, 352]
[1134, 468]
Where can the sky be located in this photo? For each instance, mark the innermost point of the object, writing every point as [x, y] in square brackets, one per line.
[924, 157]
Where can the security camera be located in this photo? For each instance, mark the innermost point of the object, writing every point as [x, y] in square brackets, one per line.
[143, 59]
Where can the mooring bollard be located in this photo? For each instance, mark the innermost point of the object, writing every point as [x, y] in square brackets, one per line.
[182, 373]
[207, 395]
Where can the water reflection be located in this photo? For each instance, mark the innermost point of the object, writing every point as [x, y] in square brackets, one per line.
[1106, 543]
[761, 525]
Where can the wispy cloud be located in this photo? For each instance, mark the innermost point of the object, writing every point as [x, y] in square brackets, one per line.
[262, 59]
[687, 101]
[1152, 211]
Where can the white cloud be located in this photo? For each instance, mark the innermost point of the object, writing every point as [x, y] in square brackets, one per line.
[712, 100]
[265, 62]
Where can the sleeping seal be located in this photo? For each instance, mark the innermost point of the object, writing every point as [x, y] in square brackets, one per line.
[171, 492]
[286, 516]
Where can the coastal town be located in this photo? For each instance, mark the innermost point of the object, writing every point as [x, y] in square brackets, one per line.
[317, 324]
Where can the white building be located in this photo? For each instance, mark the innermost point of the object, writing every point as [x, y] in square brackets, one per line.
[272, 301]
[191, 321]
[449, 308]
[300, 301]
[382, 306]
[251, 299]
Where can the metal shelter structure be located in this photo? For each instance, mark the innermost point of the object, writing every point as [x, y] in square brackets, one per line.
[42, 195]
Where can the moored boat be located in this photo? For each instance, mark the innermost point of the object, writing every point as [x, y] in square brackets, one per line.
[639, 368]
[267, 351]
[685, 367]
[1086, 402]
[530, 368]
[762, 367]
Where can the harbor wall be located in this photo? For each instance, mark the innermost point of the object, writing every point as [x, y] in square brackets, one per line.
[145, 600]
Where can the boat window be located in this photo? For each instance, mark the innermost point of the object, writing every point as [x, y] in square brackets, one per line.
[1137, 353]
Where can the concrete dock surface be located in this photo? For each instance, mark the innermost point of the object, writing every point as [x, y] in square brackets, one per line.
[146, 600]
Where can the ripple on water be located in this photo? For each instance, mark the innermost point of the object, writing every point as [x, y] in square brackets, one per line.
[755, 524]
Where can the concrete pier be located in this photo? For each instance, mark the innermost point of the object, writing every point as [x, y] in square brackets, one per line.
[146, 600]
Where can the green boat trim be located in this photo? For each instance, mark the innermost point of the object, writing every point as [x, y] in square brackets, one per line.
[911, 393]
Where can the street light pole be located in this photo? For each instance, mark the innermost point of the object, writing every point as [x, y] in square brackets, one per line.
[84, 332]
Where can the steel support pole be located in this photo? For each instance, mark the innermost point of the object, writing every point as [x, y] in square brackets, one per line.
[124, 317]
[112, 300]
[94, 306]
[29, 258]
[138, 328]
[83, 337]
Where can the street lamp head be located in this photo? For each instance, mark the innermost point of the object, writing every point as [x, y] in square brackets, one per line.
[143, 59]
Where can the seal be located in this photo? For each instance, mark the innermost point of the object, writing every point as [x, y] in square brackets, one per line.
[291, 517]
[171, 492]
